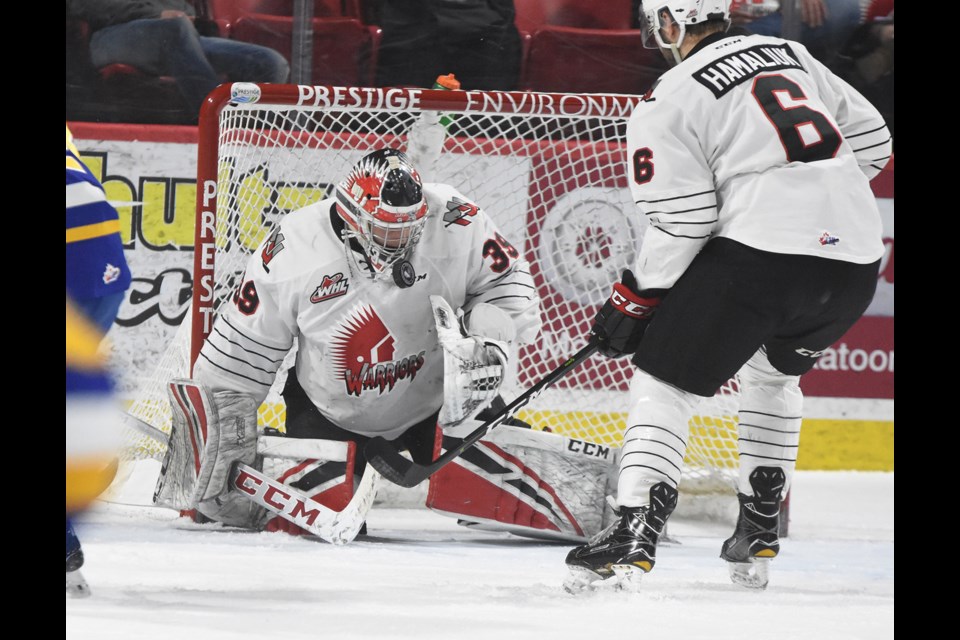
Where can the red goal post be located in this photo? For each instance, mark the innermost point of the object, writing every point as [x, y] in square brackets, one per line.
[550, 169]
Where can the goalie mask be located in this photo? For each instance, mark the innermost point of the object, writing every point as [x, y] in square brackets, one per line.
[658, 14]
[381, 200]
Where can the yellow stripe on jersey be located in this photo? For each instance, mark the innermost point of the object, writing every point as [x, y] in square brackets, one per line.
[83, 341]
[87, 478]
[73, 163]
[70, 145]
[96, 230]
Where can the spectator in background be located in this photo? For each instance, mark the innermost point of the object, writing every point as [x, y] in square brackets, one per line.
[866, 62]
[474, 39]
[823, 26]
[160, 37]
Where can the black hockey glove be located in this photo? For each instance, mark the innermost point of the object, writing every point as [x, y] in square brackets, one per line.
[623, 319]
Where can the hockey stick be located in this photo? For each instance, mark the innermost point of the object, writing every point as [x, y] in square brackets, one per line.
[337, 527]
[385, 458]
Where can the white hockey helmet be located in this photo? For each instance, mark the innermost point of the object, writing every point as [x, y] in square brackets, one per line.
[658, 13]
[381, 200]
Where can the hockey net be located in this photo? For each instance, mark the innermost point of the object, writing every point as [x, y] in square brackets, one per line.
[548, 168]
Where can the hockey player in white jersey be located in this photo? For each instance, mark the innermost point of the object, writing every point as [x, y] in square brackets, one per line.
[751, 162]
[354, 279]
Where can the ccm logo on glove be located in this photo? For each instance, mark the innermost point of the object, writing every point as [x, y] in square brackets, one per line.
[629, 303]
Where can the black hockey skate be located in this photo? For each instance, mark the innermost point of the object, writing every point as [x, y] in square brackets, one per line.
[624, 551]
[756, 541]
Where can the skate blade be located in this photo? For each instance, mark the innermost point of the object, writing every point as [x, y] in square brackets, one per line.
[753, 575]
[77, 587]
[625, 578]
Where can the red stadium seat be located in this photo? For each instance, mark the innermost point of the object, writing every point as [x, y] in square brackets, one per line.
[585, 14]
[344, 49]
[229, 11]
[570, 60]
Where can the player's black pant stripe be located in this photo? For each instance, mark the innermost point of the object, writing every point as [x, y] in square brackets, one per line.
[644, 466]
[653, 426]
[856, 135]
[756, 426]
[241, 333]
[233, 373]
[753, 455]
[701, 193]
[871, 146]
[766, 442]
[656, 442]
[251, 352]
[677, 235]
[772, 415]
[704, 222]
[673, 213]
[656, 455]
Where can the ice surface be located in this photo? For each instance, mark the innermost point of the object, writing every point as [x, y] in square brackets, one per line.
[419, 575]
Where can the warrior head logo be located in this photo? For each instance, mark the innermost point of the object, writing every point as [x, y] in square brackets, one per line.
[363, 354]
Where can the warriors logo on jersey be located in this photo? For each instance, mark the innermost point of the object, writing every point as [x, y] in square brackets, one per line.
[364, 351]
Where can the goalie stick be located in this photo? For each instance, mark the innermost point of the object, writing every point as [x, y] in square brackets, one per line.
[387, 459]
[337, 527]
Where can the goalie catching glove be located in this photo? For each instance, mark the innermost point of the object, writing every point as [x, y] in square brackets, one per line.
[623, 318]
[474, 360]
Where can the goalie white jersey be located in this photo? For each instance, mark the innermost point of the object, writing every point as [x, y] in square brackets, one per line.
[752, 139]
[368, 355]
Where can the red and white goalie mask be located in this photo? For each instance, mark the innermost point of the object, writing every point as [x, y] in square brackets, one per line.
[381, 200]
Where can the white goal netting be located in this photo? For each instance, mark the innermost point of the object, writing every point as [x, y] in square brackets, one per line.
[549, 169]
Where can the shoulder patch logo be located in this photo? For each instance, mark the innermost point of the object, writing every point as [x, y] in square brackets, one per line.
[648, 96]
[110, 274]
[459, 212]
[332, 287]
[273, 246]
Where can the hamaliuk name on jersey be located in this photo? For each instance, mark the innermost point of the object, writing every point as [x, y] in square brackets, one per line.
[382, 376]
[723, 74]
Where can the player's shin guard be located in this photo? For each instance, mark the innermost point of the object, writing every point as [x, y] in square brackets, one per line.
[627, 549]
[755, 541]
[655, 440]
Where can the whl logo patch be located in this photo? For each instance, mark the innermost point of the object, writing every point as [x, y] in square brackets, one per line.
[332, 287]
[364, 354]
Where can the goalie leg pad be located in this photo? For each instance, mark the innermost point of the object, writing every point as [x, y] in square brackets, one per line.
[231, 436]
[190, 407]
[531, 483]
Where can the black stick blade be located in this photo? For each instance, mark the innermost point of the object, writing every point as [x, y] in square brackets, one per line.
[391, 464]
